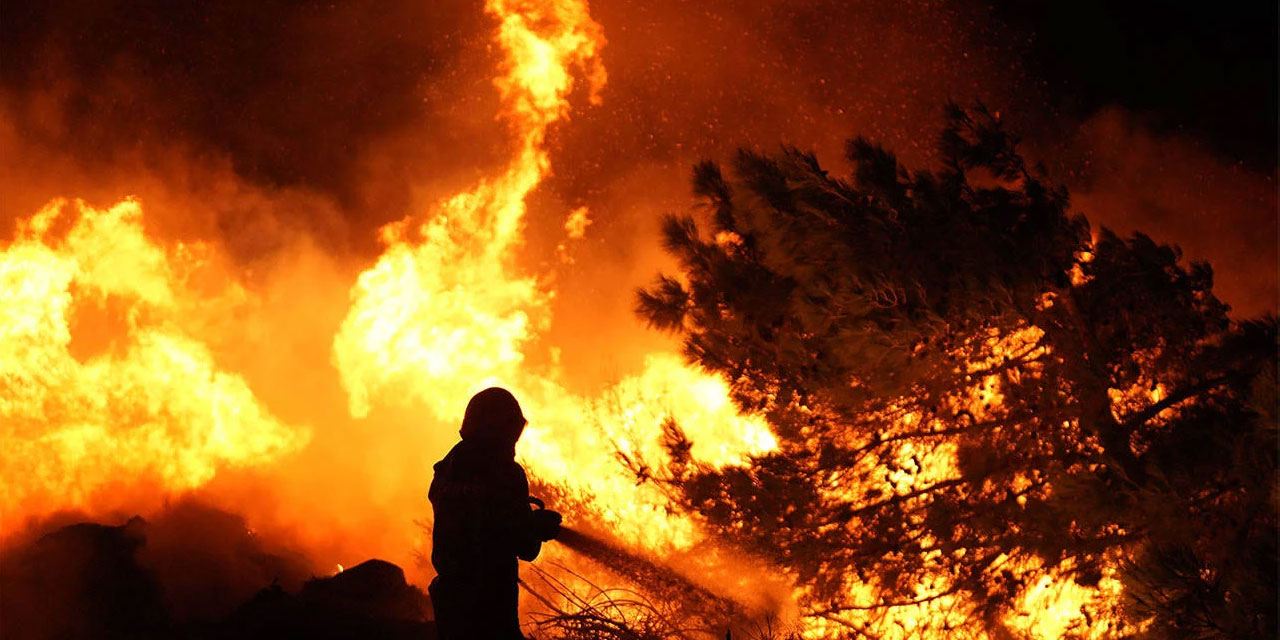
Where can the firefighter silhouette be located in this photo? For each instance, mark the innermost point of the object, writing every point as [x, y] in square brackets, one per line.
[484, 521]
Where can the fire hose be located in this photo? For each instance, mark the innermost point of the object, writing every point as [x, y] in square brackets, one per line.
[652, 576]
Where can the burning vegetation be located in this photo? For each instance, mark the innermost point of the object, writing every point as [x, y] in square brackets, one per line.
[985, 412]
[906, 403]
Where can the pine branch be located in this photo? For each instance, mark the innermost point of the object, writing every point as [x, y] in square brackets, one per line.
[851, 513]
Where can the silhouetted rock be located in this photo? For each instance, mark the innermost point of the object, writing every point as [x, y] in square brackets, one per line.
[208, 561]
[370, 600]
[86, 581]
[82, 581]
[375, 588]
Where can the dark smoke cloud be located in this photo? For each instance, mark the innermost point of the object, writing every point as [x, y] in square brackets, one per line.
[291, 95]
[695, 81]
[290, 91]
[1125, 175]
[209, 561]
[337, 117]
[69, 577]
[192, 570]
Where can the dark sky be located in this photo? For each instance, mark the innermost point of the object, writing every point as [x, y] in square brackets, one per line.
[230, 73]
[1205, 68]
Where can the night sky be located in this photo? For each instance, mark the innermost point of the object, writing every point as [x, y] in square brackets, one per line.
[1207, 69]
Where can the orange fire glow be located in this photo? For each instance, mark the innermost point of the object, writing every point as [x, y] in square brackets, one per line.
[445, 311]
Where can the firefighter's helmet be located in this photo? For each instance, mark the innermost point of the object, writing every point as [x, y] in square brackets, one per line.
[493, 414]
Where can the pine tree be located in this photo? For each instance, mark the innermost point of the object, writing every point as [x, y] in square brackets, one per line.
[970, 388]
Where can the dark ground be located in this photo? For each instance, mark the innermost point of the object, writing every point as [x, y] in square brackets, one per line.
[89, 580]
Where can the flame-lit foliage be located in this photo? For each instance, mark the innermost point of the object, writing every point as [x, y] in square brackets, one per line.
[976, 400]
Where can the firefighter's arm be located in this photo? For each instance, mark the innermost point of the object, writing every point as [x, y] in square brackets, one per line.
[544, 525]
[516, 521]
[530, 527]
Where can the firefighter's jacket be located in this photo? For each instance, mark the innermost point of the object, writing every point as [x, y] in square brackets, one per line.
[483, 523]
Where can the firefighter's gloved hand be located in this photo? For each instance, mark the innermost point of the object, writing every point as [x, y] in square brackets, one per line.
[546, 523]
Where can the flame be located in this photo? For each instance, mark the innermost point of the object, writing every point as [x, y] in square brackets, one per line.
[1055, 606]
[153, 404]
[577, 223]
[445, 312]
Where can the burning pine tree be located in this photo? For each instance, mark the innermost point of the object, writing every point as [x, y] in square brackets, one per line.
[975, 396]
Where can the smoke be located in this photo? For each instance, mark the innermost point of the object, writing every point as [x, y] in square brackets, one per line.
[192, 570]
[336, 113]
[348, 115]
[1127, 177]
[188, 561]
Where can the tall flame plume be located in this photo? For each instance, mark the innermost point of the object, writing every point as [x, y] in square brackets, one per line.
[445, 312]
